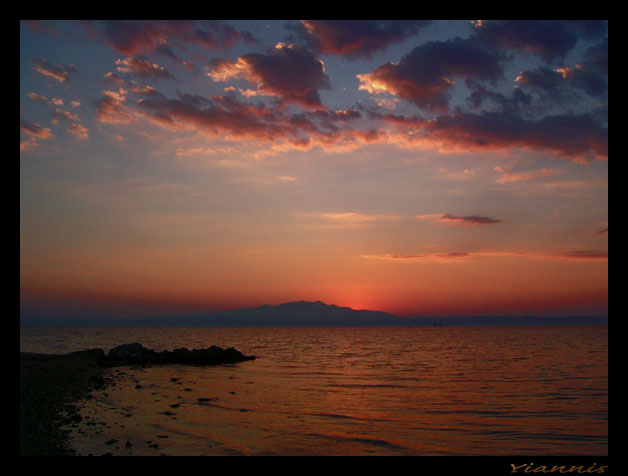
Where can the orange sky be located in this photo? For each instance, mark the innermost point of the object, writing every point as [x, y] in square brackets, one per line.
[421, 168]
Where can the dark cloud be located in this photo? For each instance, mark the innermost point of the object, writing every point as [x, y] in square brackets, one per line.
[41, 27]
[358, 38]
[560, 84]
[292, 74]
[551, 40]
[426, 75]
[573, 136]
[589, 29]
[596, 57]
[578, 137]
[223, 116]
[481, 97]
[586, 254]
[226, 116]
[469, 220]
[130, 37]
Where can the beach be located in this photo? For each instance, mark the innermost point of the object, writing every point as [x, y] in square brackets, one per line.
[50, 388]
[63, 403]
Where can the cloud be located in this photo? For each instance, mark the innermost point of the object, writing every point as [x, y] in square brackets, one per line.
[142, 67]
[352, 219]
[38, 97]
[290, 73]
[222, 116]
[596, 57]
[229, 118]
[560, 85]
[35, 130]
[550, 40]
[459, 220]
[585, 254]
[118, 96]
[60, 73]
[578, 137]
[507, 177]
[33, 133]
[112, 80]
[78, 130]
[111, 111]
[63, 115]
[131, 37]
[359, 38]
[577, 255]
[41, 27]
[426, 75]
[454, 256]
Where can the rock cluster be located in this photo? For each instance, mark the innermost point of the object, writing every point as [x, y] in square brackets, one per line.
[136, 353]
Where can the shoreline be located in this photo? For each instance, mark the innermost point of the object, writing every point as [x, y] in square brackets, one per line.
[51, 386]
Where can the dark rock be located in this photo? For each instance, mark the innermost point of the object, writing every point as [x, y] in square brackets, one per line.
[214, 355]
[76, 418]
[135, 353]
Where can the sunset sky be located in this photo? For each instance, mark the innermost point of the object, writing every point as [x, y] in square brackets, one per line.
[414, 167]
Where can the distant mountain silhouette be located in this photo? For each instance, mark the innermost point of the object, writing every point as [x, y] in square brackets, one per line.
[318, 314]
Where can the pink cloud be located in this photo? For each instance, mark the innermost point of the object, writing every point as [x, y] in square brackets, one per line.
[110, 111]
[35, 130]
[142, 67]
[62, 114]
[37, 97]
[60, 73]
[78, 130]
[33, 133]
[507, 177]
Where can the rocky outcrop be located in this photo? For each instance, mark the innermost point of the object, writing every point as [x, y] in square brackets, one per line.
[136, 353]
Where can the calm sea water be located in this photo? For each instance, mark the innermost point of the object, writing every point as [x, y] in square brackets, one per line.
[350, 391]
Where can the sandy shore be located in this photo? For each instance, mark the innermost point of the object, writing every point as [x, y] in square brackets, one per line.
[50, 388]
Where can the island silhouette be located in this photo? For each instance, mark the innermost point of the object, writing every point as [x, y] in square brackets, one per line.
[319, 314]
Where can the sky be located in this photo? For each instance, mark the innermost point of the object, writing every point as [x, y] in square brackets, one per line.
[422, 168]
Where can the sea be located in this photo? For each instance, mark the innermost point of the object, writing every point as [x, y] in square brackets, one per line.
[456, 391]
